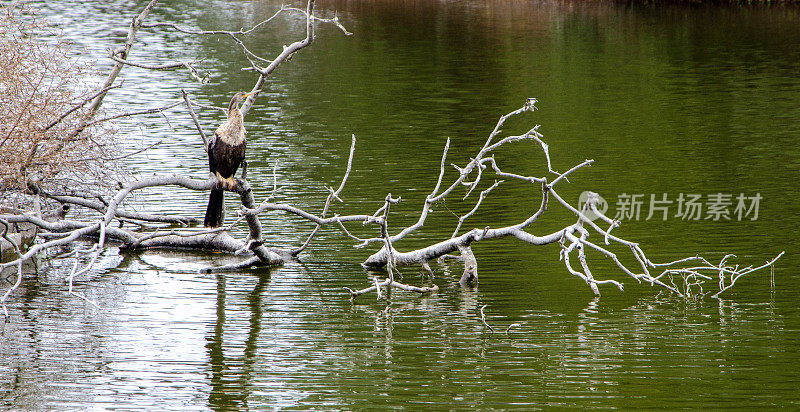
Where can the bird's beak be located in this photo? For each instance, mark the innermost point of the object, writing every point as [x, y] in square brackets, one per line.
[252, 93]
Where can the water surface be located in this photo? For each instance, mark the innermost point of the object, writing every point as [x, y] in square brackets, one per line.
[665, 99]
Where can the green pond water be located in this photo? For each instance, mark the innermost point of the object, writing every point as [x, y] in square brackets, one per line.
[668, 101]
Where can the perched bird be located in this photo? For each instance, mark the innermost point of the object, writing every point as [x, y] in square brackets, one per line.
[225, 154]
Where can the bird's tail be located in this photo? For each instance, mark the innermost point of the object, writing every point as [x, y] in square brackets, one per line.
[215, 212]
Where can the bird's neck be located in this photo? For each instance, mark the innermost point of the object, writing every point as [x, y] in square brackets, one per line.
[235, 117]
[235, 125]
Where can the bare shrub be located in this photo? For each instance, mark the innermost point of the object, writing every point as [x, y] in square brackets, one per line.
[46, 133]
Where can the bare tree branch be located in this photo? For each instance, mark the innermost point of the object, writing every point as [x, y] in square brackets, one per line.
[136, 113]
[122, 51]
[287, 52]
[189, 65]
[80, 105]
[334, 194]
[194, 119]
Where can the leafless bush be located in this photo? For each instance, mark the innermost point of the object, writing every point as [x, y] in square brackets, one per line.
[46, 135]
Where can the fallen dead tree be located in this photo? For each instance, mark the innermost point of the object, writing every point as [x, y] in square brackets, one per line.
[131, 230]
[573, 238]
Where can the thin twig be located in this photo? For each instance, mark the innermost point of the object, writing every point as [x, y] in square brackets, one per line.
[483, 319]
[136, 113]
[513, 325]
[194, 119]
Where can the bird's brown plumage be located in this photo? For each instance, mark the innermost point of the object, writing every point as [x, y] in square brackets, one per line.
[225, 153]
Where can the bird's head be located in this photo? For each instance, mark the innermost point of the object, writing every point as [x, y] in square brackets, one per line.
[238, 98]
